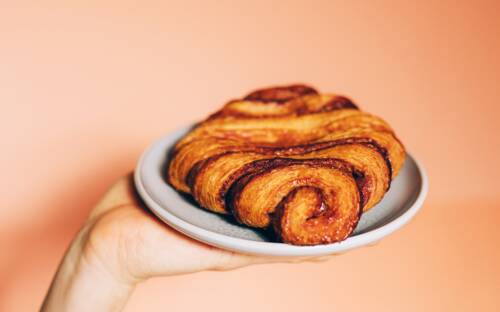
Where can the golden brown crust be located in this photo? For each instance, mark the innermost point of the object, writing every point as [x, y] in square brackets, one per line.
[280, 93]
[309, 103]
[305, 163]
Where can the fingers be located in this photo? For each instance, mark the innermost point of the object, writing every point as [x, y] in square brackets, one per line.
[233, 260]
[322, 258]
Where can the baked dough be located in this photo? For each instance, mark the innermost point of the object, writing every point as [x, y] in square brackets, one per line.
[306, 164]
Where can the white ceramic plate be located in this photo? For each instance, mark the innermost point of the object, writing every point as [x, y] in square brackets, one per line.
[399, 205]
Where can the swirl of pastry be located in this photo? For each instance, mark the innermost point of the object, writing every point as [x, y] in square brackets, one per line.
[303, 163]
[312, 201]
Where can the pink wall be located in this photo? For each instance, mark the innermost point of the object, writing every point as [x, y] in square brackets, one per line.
[85, 86]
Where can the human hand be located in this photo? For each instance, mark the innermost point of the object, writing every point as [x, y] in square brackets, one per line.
[122, 244]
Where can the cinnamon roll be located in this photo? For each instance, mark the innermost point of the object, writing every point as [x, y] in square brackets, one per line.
[305, 164]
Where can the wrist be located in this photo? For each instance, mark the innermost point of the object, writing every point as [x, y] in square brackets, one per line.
[84, 282]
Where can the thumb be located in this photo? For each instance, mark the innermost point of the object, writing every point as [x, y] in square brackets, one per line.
[120, 194]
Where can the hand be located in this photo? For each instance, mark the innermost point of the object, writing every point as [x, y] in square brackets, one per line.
[133, 245]
[122, 244]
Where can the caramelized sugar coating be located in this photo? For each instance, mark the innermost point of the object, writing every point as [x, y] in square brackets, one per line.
[304, 163]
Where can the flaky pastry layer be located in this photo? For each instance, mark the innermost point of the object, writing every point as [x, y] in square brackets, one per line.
[303, 163]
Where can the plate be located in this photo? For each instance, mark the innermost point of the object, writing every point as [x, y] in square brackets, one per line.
[400, 204]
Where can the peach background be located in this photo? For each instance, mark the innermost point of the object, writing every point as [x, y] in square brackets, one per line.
[85, 86]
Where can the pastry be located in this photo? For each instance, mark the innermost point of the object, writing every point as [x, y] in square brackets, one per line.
[305, 164]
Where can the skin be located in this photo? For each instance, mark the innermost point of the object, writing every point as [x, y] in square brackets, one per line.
[121, 245]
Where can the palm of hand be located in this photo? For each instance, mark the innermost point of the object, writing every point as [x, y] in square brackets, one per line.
[130, 243]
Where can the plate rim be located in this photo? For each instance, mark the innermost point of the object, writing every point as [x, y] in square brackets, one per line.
[242, 245]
